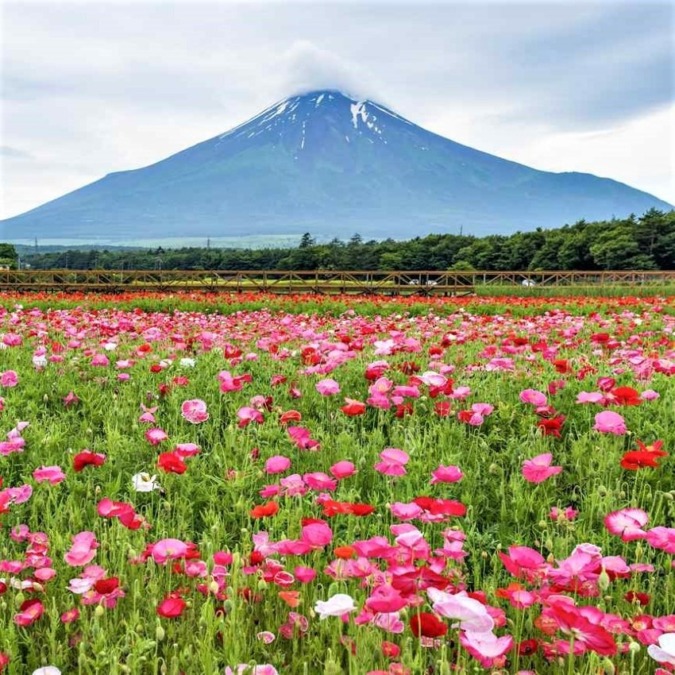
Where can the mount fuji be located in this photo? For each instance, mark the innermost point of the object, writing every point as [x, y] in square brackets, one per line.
[332, 165]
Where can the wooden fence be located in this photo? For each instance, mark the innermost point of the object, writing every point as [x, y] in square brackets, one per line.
[321, 281]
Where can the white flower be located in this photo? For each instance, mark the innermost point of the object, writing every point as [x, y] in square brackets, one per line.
[47, 670]
[187, 363]
[665, 652]
[110, 346]
[337, 605]
[40, 361]
[80, 586]
[144, 482]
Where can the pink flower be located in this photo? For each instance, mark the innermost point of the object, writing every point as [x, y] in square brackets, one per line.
[320, 481]
[649, 395]
[446, 474]
[590, 397]
[304, 574]
[317, 534]
[277, 464]
[393, 462]
[471, 614]
[247, 415]
[608, 422]
[342, 470]
[194, 411]
[328, 387]
[168, 549]
[627, 523]
[662, 538]
[9, 379]
[568, 513]
[100, 360]
[302, 438]
[385, 599]
[155, 436]
[533, 397]
[538, 469]
[485, 646]
[53, 474]
[83, 550]
[246, 669]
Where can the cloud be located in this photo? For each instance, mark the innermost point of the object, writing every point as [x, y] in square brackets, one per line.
[307, 67]
[14, 153]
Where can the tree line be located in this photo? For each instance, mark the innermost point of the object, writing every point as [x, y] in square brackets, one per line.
[639, 243]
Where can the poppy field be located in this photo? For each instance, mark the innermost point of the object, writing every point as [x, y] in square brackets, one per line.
[356, 486]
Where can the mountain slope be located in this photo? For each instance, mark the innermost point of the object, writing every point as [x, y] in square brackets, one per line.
[332, 165]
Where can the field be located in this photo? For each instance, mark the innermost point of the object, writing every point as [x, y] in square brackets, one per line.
[250, 484]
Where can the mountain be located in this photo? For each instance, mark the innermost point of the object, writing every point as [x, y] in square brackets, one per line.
[332, 165]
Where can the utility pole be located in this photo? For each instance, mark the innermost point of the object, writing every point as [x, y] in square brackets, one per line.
[36, 245]
[208, 243]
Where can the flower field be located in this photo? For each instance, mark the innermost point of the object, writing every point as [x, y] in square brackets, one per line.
[291, 485]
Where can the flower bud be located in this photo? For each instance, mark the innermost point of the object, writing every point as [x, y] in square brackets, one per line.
[159, 633]
[603, 580]
[99, 611]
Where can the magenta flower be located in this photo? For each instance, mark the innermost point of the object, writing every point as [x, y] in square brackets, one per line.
[446, 474]
[155, 436]
[608, 422]
[277, 464]
[194, 411]
[533, 397]
[9, 379]
[320, 481]
[247, 415]
[393, 462]
[627, 523]
[342, 470]
[317, 534]
[328, 387]
[83, 550]
[53, 474]
[538, 469]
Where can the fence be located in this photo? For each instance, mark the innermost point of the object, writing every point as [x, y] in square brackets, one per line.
[321, 281]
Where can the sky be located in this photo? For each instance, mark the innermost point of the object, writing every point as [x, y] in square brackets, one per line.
[88, 88]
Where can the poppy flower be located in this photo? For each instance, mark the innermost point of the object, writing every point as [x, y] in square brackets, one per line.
[353, 408]
[265, 510]
[87, 458]
[171, 607]
[171, 462]
[426, 624]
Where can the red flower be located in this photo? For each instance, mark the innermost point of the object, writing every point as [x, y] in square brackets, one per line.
[562, 365]
[647, 455]
[265, 510]
[404, 409]
[290, 416]
[87, 458]
[635, 596]
[105, 586]
[427, 625]
[624, 396]
[353, 408]
[171, 462]
[171, 607]
[552, 425]
[390, 650]
[442, 408]
[528, 647]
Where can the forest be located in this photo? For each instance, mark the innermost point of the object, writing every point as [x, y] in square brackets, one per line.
[637, 243]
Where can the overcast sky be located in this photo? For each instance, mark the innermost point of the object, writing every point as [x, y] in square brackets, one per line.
[94, 87]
